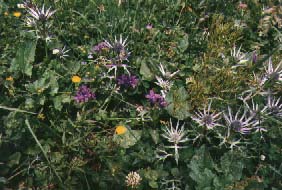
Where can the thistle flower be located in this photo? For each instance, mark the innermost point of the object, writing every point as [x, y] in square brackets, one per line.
[239, 124]
[257, 113]
[30, 22]
[273, 74]
[40, 14]
[255, 110]
[84, 94]
[133, 179]
[156, 99]
[61, 52]
[164, 84]
[175, 136]
[165, 74]
[274, 106]
[239, 56]
[171, 184]
[162, 154]
[127, 81]
[207, 119]
[119, 46]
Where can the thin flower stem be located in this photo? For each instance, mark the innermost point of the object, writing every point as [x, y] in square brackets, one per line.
[16, 110]
[44, 153]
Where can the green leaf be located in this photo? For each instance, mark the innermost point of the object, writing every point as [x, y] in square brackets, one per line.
[128, 139]
[201, 167]
[3, 180]
[24, 58]
[232, 166]
[155, 135]
[153, 184]
[183, 44]
[58, 103]
[178, 106]
[14, 159]
[146, 72]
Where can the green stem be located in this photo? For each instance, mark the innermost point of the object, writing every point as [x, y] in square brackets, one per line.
[16, 110]
[44, 153]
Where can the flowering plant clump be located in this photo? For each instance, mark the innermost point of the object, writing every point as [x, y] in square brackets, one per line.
[141, 95]
[84, 94]
[127, 81]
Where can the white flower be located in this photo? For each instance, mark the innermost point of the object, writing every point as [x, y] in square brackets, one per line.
[164, 84]
[206, 118]
[241, 124]
[20, 6]
[175, 136]
[165, 74]
[255, 110]
[40, 14]
[274, 106]
[61, 52]
[171, 184]
[273, 74]
[258, 115]
[239, 56]
[30, 22]
[133, 179]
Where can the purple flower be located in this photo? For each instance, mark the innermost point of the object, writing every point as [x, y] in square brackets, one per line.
[84, 94]
[127, 81]
[156, 99]
[149, 26]
[100, 47]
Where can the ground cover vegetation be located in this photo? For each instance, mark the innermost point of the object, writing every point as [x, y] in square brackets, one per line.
[144, 94]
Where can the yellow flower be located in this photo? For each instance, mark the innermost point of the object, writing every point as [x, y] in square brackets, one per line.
[40, 90]
[120, 129]
[6, 13]
[17, 14]
[41, 116]
[10, 78]
[76, 79]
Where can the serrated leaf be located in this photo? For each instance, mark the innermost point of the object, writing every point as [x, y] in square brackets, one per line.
[201, 167]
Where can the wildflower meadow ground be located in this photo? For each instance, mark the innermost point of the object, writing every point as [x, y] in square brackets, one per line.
[143, 94]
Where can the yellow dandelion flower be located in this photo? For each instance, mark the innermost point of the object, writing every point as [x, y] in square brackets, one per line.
[10, 78]
[17, 14]
[6, 13]
[120, 129]
[76, 79]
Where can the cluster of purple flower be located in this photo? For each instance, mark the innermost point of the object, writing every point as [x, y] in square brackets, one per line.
[84, 94]
[100, 47]
[127, 81]
[156, 99]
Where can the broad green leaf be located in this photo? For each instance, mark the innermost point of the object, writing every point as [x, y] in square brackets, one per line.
[24, 58]
[178, 106]
[146, 72]
[232, 166]
[14, 159]
[201, 167]
[128, 139]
